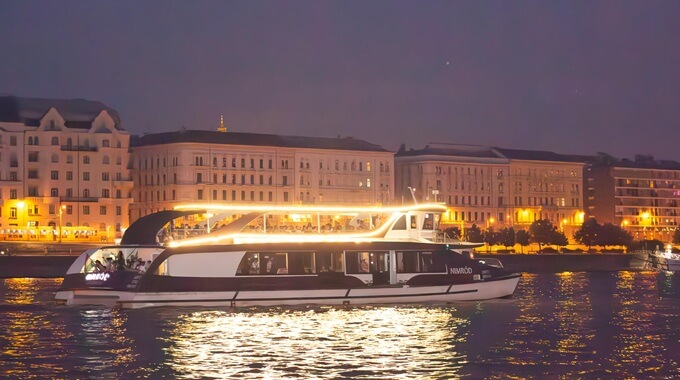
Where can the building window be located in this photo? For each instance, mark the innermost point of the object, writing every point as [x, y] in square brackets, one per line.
[69, 209]
[86, 160]
[119, 210]
[105, 176]
[54, 192]
[86, 210]
[105, 144]
[105, 193]
[102, 210]
[200, 193]
[13, 140]
[86, 176]
[55, 140]
[54, 174]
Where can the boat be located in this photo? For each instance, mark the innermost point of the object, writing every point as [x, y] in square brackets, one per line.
[640, 259]
[403, 259]
[665, 260]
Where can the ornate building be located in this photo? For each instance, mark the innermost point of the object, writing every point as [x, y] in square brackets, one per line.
[198, 166]
[63, 166]
[493, 187]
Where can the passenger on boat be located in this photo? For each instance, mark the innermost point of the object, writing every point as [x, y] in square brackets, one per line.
[109, 264]
[98, 266]
[120, 261]
[270, 265]
[364, 266]
[139, 266]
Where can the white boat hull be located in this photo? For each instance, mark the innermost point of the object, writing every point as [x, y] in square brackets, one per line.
[355, 296]
[664, 263]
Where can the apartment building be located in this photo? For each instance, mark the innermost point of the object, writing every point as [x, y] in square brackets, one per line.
[63, 167]
[493, 187]
[199, 166]
[640, 195]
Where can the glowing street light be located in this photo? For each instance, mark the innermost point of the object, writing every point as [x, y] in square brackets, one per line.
[61, 211]
[20, 206]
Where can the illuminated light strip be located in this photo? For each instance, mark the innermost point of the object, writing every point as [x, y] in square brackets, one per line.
[310, 209]
[241, 238]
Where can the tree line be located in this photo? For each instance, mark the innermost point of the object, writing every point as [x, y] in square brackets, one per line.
[545, 234]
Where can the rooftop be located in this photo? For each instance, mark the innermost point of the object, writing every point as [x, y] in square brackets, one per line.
[254, 139]
[78, 113]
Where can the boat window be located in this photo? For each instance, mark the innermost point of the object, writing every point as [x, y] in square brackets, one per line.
[367, 262]
[428, 223]
[329, 262]
[400, 223]
[429, 264]
[414, 221]
[418, 262]
[106, 259]
[250, 264]
[300, 262]
[273, 263]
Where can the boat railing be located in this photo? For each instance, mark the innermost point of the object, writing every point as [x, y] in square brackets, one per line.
[442, 237]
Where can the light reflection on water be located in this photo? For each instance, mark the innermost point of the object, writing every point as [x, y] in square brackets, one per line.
[568, 325]
[319, 343]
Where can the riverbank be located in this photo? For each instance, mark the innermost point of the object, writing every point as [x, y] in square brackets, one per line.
[55, 265]
[566, 262]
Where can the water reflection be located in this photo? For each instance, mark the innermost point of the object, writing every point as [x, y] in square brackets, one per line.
[561, 326]
[320, 342]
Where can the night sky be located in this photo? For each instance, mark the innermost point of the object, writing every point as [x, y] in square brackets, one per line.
[575, 77]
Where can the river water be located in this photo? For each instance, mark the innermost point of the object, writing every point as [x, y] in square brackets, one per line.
[608, 325]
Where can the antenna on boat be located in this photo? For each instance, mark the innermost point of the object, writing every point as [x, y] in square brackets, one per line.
[413, 194]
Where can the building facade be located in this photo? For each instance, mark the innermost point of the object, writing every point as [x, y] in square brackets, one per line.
[197, 166]
[493, 187]
[642, 195]
[63, 168]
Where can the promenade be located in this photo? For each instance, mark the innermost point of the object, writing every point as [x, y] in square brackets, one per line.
[52, 260]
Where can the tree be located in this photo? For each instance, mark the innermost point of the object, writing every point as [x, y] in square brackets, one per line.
[588, 233]
[474, 234]
[611, 234]
[559, 239]
[507, 237]
[542, 232]
[522, 238]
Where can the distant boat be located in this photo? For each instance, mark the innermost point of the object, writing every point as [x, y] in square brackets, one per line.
[665, 260]
[400, 260]
[641, 260]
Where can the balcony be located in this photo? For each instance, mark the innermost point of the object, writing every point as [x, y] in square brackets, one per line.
[75, 148]
[79, 199]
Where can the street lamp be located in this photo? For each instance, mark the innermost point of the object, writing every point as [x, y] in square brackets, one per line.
[61, 211]
[21, 206]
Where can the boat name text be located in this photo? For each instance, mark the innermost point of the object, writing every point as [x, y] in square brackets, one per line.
[464, 270]
[102, 276]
